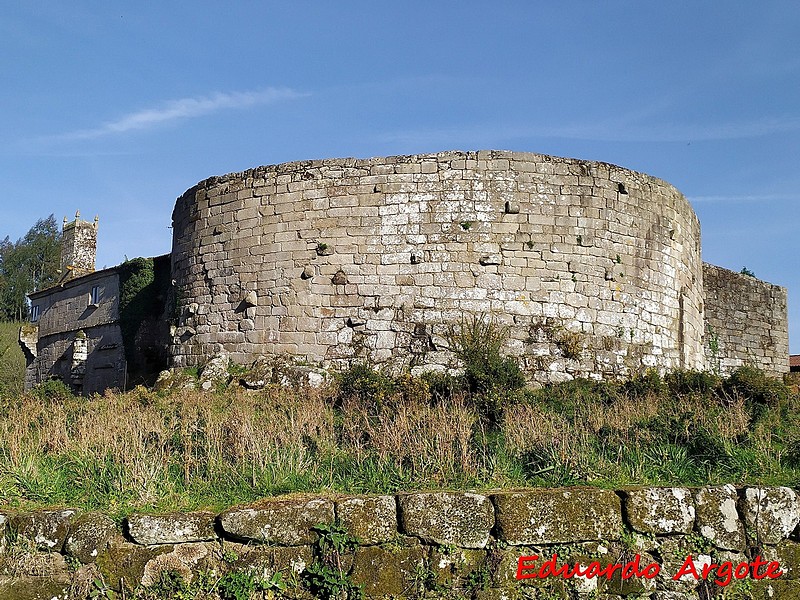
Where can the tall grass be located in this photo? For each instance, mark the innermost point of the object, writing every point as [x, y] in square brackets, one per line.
[12, 361]
[146, 451]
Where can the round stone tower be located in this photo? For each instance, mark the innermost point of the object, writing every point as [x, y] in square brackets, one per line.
[595, 270]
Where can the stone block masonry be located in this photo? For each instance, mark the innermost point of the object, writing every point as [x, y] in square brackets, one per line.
[412, 544]
[746, 322]
[594, 269]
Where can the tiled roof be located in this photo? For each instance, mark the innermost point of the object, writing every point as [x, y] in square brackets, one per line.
[794, 360]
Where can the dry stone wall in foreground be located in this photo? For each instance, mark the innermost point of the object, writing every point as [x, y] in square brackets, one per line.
[431, 544]
[595, 269]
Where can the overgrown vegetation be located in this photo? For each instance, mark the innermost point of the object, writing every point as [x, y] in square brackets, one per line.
[206, 585]
[325, 577]
[488, 375]
[143, 290]
[136, 302]
[374, 433]
[12, 361]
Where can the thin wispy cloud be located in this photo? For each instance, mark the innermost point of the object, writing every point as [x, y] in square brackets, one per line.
[184, 108]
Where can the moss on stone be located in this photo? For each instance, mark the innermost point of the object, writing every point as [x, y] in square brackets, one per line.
[370, 519]
[89, 535]
[285, 521]
[123, 563]
[384, 573]
[552, 516]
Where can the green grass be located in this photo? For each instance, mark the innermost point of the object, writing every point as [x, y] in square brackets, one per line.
[12, 361]
[368, 433]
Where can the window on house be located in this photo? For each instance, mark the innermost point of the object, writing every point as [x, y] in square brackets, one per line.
[34, 313]
[95, 296]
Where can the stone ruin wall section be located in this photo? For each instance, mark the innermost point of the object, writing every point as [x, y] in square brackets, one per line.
[595, 269]
[746, 322]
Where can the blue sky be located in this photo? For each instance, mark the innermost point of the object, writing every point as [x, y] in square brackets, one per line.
[116, 108]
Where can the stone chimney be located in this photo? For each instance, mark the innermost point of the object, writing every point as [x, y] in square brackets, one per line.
[78, 247]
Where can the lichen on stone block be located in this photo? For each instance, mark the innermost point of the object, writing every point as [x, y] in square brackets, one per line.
[460, 518]
[551, 516]
[660, 510]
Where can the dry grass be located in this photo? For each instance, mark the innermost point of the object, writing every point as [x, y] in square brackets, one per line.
[161, 446]
[141, 450]
[420, 436]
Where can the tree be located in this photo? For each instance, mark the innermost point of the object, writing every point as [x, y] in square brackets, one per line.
[28, 265]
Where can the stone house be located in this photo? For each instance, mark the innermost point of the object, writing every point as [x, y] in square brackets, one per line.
[76, 333]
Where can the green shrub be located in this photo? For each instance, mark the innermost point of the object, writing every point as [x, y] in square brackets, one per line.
[329, 583]
[570, 397]
[650, 382]
[52, 389]
[443, 386]
[685, 381]
[239, 585]
[325, 577]
[364, 383]
[488, 375]
[754, 385]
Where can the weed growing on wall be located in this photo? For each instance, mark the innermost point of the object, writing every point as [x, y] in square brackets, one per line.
[489, 376]
[713, 348]
[171, 585]
[325, 578]
[143, 289]
[136, 299]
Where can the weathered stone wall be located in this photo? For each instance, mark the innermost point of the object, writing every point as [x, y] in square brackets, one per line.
[65, 311]
[427, 543]
[595, 269]
[68, 307]
[746, 322]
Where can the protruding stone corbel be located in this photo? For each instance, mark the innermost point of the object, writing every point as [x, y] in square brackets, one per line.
[250, 299]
